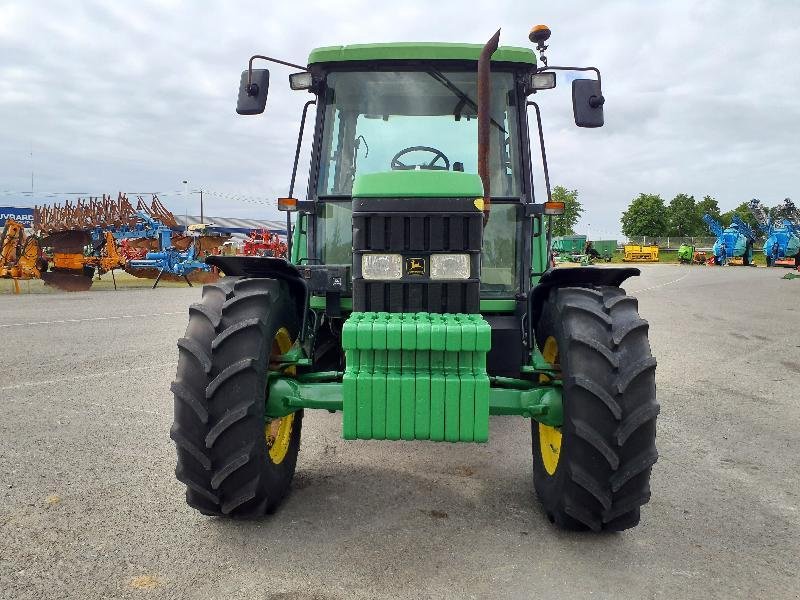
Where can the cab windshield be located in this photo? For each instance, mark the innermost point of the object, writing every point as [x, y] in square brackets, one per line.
[391, 120]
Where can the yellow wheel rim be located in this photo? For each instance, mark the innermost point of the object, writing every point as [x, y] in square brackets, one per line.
[278, 432]
[550, 437]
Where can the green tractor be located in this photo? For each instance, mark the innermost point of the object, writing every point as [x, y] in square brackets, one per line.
[418, 298]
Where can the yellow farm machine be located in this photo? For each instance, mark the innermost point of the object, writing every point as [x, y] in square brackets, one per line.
[640, 253]
[20, 254]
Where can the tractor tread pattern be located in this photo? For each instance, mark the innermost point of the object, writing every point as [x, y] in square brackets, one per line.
[635, 466]
[591, 485]
[598, 347]
[597, 390]
[182, 441]
[229, 373]
[610, 410]
[207, 312]
[232, 465]
[244, 494]
[626, 505]
[228, 420]
[595, 439]
[233, 329]
[184, 394]
[630, 375]
[196, 351]
[583, 515]
[574, 306]
[633, 421]
[187, 480]
[610, 303]
[622, 331]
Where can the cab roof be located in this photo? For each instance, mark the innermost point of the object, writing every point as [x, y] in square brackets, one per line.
[418, 51]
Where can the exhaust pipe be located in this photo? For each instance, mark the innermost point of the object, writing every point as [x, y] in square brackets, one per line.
[484, 119]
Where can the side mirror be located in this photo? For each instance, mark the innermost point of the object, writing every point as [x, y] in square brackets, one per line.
[587, 103]
[253, 97]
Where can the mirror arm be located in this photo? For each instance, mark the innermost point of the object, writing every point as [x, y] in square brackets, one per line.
[541, 146]
[595, 69]
[262, 57]
[546, 173]
[294, 175]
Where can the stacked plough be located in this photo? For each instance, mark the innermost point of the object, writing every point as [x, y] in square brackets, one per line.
[100, 234]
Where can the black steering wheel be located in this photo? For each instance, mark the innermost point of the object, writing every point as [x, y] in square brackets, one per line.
[431, 166]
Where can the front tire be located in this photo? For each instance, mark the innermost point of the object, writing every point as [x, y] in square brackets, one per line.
[232, 459]
[594, 472]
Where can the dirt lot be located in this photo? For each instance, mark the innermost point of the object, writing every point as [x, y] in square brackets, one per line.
[89, 507]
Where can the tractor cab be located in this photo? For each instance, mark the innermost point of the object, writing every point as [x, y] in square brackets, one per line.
[399, 134]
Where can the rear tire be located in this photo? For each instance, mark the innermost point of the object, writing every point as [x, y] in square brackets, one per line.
[605, 449]
[225, 458]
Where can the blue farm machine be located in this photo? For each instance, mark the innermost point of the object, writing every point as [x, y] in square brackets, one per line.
[166, 259]
[734, 244]
[782, 236]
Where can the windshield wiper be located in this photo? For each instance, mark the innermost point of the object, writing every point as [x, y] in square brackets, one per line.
[460, 94]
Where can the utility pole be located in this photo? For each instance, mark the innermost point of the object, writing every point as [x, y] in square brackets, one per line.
[200, 191]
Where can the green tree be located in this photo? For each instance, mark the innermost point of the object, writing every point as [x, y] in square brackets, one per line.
[707, 205]
[646, 215]
[743, 210]
[573, 209]
[682, 216]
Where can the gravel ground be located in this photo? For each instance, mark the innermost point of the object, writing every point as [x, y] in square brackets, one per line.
[89, 507]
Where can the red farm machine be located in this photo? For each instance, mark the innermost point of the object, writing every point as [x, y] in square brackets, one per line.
[262, 242]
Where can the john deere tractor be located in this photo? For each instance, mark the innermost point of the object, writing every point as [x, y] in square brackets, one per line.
[418, 298]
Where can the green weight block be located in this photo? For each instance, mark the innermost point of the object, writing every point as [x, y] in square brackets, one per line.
[422, 407]
[364, 406]
[452, 334]
[481, 426]
[378, 334]
[349, 331]
[436, 360]
[466, 415]
[423, 331]
[379, 407]
[469, 333]
[364, 331]
[438, 333]
[394, 333]
[408, 333]
[437, 407]
[407, 407]
[393, 406]
[452, 405]
[349, 407]
[483, 338]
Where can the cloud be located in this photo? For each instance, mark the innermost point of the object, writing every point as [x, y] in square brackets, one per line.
[701, 96]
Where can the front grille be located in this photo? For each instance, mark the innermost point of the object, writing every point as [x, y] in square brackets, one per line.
[408, 233]
[434, 297]
[416, 227]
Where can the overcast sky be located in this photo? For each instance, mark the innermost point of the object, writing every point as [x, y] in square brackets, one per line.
[701, 96]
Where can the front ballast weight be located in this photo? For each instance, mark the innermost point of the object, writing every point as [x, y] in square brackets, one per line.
[418, 376]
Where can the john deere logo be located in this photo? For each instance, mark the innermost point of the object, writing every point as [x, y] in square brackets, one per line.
[415, 266]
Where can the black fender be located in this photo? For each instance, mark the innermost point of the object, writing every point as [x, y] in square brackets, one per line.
[271, 267]
[573, 277]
